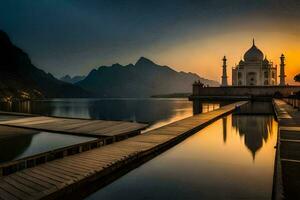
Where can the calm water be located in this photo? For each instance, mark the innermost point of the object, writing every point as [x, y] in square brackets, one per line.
[230, 159]
[156, 112]
[31, 142]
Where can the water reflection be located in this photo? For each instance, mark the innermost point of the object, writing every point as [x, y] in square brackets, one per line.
[224, 121]
[215, 163]
[142, 110]
[203, 106]
[11, 144]
[255, 130]
[17, 143]
[156, 112]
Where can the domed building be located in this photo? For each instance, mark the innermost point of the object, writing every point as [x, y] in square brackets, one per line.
[254, 70]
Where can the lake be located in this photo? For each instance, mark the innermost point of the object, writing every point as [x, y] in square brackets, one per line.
[233, 158]
[156, 112]
[30, 142]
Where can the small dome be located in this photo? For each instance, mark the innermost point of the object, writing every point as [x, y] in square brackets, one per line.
[266, 61]
[253, 54]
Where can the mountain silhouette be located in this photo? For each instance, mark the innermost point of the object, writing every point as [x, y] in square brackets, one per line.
[19, 77]
[143, 79]
[74, 79]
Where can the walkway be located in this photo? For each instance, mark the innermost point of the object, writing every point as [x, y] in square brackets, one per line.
[58, 178]
[287, 182]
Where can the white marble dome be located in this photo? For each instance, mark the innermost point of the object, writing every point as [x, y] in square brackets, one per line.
[253, 54]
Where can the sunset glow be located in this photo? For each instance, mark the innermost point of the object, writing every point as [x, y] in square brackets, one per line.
[191, 36]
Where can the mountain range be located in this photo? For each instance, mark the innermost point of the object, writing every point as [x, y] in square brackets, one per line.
[19, 78]
[142, 79]
[74, 79]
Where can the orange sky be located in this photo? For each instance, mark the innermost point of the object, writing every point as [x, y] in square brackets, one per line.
[203, 54]
[74, 37]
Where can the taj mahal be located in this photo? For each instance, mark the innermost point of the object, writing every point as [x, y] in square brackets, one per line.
[254, 70]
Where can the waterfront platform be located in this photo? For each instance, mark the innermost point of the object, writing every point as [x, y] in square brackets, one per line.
[59, 178]
[287, 169]
[75, 126]
[262, 93]
[104, 132]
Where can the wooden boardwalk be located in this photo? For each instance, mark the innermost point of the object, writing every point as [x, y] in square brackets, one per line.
[287, 174]
[57, 179]
[84, 127]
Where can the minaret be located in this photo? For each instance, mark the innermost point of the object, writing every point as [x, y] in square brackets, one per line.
[282, 74]
[224, 75]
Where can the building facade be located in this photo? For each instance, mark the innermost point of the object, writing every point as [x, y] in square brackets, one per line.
[256, 70]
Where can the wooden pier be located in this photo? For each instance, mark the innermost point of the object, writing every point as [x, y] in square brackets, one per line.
[103, 132]
[287, 165]
[75, 126]
[59, 178]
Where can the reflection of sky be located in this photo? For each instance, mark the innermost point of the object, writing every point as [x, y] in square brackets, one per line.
[44, 141]
[203, 167]
[156, 112]
[23, 145]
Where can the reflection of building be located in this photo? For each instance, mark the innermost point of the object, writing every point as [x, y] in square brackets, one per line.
[224, 121]
[255, 130]
[256, 70]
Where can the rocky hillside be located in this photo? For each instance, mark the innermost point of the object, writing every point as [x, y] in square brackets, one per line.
[74, 79]
[19, 78]
[143, 79]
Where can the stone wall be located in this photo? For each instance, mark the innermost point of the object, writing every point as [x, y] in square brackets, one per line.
[243, 91]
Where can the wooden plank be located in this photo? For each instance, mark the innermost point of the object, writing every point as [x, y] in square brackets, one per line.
[59, 124]
[122, 131]
[6, 195]
[43, 178]
[64, 172]
[153, 138]
[97, 163]
[70, 169]
[23, 120]
[101, 158]
[115, 151]
[86, 162]
[20, 186]
[290, 128]
[82, 124]
[38, 122]
[14, 191]
[60, 173]
[48, 175]
[35, 180]
[74, 165]
[29, 183]
[91, 128]
[117, 127]
[107, 155]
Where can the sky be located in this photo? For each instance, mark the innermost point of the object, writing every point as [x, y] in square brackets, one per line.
[75, 36]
